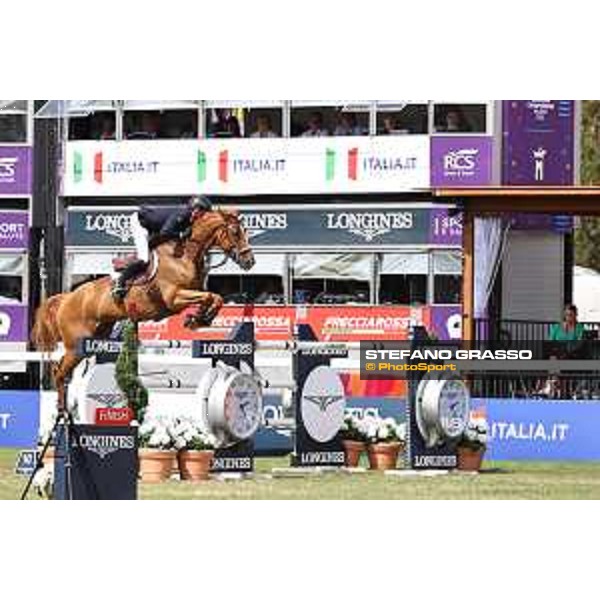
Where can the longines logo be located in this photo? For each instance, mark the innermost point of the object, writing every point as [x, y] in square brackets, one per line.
[116, 225]
[324, 402]
[260, 223]
[370, 226]
[105, 445]
[111, 400]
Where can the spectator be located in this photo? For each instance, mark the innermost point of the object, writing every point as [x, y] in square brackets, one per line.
[225, 125]
[149, 130]
[455, 122]
[107, 129]
[390, 126]
[347, 125]
[315, 126]
[263, 128]
[570, 329]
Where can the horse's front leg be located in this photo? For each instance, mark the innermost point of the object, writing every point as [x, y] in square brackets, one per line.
[208, 304]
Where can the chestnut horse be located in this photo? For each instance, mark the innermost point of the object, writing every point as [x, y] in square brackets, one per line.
[91, 310]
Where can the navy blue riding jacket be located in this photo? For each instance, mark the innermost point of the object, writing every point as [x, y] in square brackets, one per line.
[167, 222]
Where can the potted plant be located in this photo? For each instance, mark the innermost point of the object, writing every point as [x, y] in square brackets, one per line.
[195, 449]
[126, 373]
[472, 445]
[353, 440]
[155, 451]
[386, 439]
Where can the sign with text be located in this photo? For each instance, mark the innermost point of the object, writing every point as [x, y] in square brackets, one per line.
[458, 161]
[330, 323]
[15, 171]
[247, 166]
[538, 142]
[13, 323]
[278, 227]
[14, 230]
[541, 429]
[19, 419]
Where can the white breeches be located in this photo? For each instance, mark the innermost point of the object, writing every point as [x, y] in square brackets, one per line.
[140, 239]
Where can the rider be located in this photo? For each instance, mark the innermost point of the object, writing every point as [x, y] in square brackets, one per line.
[159, 223]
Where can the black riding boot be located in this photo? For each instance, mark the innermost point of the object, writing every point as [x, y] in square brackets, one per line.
[120, 287]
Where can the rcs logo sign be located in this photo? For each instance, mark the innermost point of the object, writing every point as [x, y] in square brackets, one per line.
[461, 161]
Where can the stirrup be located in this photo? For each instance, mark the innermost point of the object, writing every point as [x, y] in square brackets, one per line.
[119, 292]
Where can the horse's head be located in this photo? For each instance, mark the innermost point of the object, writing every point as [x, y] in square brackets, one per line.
[228, 234]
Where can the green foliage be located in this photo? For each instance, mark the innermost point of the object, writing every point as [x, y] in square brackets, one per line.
[127, 373]
[587, 235]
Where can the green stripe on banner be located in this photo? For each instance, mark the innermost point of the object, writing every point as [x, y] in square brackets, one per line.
[329, 164]
[201, 166]
[77, 167]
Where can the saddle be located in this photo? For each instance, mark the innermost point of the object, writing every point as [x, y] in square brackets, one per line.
[145, 276]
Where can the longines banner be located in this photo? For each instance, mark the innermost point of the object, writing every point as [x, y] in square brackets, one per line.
[310, 227]
[242, 167]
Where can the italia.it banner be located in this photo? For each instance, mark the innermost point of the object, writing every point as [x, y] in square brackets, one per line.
[247, 166]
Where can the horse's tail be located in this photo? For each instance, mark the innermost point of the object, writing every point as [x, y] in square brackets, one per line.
[45, 335]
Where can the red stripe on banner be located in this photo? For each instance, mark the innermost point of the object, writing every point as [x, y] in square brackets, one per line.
[224, 166]
[353, 164]
[98, 167]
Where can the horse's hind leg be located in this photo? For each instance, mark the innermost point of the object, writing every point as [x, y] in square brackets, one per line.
[62, 372]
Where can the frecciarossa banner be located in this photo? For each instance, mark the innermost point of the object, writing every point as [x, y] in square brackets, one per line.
[247, 166]
[330, 323]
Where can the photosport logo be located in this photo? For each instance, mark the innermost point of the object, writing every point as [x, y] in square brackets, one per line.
[8, 169]
[370, 225]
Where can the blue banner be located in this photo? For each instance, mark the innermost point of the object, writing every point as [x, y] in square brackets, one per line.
[19, 419]
[269, 441]
[542, 430]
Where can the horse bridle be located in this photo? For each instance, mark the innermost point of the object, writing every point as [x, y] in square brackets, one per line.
[233, 254]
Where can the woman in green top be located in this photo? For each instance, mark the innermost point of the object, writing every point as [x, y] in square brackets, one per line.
[569, 330]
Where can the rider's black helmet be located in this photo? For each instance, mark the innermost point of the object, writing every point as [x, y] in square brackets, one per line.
[200, 203]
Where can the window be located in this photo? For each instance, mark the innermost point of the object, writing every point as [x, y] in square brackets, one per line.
[160, 119]
[460, 118]
[332, 278]
[398, 118]
[404, 279]
[256, 119]
[318, 119]
[13, 121]
[12, 269]
[447, 273]
[263, 284]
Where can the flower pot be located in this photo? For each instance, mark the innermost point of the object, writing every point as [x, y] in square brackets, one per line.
[384, 457]
[470, 459]
[195, 465]
[155, 465]
[353, 450]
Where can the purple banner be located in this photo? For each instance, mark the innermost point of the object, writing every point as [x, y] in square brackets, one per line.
[15, 171]
[458, 161]
[538, 142]
[13, 323]
[446, 322]
[14, 230]
[445, 229]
